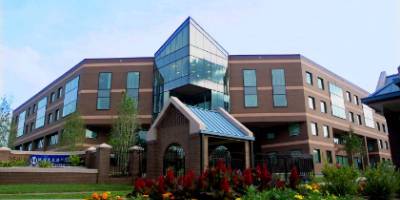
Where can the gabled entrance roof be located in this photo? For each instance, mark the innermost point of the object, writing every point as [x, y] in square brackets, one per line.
[209, 122]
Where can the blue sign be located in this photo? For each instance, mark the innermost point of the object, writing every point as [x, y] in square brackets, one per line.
[56, 160]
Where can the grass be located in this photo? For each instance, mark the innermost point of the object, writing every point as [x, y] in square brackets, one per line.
[59, 191]
[80, 195]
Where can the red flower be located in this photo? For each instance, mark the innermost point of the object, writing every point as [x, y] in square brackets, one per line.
[149, 183]
[188, 179]
[170, 177]
[202, 180]
[338, 165]
[235, 180]
[248, 177]
[225, 185]
[294, 177]
[161, 186]
[139, 184]
[265, 175]
[221, 167]
[280, 184]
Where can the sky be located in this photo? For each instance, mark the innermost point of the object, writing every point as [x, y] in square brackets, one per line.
[40, 40]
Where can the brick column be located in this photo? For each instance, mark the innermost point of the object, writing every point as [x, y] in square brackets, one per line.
[205, 152]
[247, 154]
[5, 153]
[136, 154]
[90, 157]
[366, 157]
[103, 162]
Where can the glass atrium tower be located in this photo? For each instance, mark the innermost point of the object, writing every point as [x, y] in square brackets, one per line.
[191, 66]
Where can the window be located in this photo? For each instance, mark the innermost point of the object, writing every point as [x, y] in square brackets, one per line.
[104, 91]
[59, 92]
[295, 152]
[132, 86]
[53, 139]
[359, 120]
[311, 103]
[384, 128]
[386, 145]
[279, 88]
[90, 134]
[57, 115]
[380, 144]
[30, 146]
[49, 118]
[351, 117]
[368, 116]
[329, 157]
[325, 130]
[338, 109]
[342, 160]
[174, 158]
[378, 126]
[309, 78]
[41, 113]
[320, 82]
[317, 156]
[34, 108]
[71, 96]
[250, 88]
[21, 124]
[40, 143]
[52, 97]
[28, 112]
[356, 100]
[348, 96]
[294, 129]
[323, 106]
[314, 128]
[270, 136]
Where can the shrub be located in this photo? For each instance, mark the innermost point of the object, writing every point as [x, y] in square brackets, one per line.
[14, 162]
[381, 181]
[74, 160]
[340, 180]
[45, 164]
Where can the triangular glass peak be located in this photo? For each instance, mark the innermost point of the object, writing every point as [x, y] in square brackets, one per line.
[191, 63]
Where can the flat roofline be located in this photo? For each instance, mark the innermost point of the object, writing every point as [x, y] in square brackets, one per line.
[300, 57]
[84, 61]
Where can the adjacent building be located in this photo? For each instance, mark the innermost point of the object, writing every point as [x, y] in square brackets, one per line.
[386, 101]
[270, 104]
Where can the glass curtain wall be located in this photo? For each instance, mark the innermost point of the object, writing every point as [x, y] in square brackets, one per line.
[191, 57]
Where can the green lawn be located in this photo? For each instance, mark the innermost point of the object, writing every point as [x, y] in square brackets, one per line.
[59, 191]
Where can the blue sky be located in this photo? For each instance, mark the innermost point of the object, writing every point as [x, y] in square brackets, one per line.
[40, 40]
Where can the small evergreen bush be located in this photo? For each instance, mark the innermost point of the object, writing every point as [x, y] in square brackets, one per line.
[340, 181]
[382, 181]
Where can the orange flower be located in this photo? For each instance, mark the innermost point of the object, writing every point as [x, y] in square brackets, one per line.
[95, 196]
[166, 195]
[104, 196]
[118, 198]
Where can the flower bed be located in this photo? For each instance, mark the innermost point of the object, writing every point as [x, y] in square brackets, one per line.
[340, 183]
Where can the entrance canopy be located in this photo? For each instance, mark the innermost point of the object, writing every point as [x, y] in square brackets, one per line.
[217, 122]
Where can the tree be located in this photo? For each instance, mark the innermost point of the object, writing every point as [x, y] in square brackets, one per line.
[73, 136]
[12, 136]
[124, 130]
[5, 121]
[353, 145]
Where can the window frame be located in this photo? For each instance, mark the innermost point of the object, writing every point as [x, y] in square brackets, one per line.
[254, 87]
[309, 78]
[98, 91]
[312, 101]
[274, 94]
[320, 83]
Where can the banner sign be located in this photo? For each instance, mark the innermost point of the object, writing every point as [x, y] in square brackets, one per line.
[56, 160]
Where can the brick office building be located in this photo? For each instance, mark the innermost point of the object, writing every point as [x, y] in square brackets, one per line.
[279, 103]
